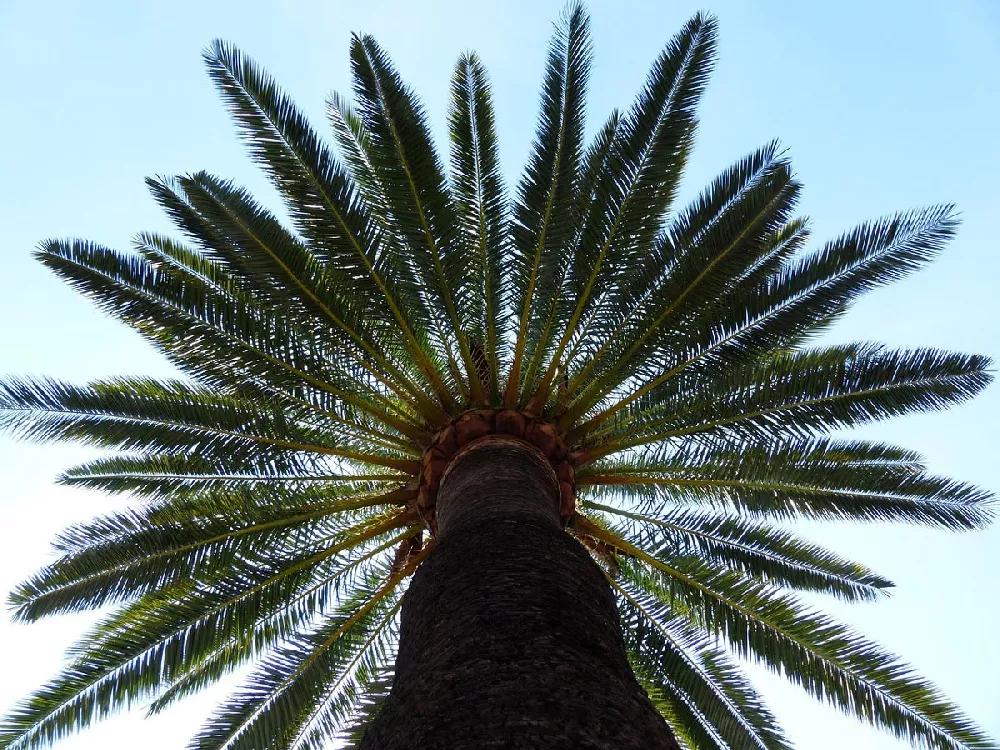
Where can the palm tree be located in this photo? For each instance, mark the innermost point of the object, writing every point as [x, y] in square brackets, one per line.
[569, 425]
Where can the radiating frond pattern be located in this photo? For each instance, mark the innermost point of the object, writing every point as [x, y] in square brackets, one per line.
[663, 357]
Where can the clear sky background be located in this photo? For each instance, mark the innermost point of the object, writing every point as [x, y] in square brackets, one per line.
[883, 106]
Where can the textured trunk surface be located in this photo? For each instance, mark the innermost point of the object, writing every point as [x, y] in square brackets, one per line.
[509, 632]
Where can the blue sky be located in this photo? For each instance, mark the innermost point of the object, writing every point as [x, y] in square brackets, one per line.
[882, 107]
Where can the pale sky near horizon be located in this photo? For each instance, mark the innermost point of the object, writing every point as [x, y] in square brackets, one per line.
[881, 106]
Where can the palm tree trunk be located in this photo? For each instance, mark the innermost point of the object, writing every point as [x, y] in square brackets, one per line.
[509, 632]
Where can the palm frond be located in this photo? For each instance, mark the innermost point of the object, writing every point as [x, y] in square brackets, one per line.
[188, 318]
[823, 657]
[722, 235]
[809, 392]
[319, 193]
[805, 295]
[481, 208]
[679, 663]
[418, 196]
[132, 554]
[130, 655]
[637, 184]
[170, 418]
[221, 656]
[172, 475]
[756, 550]
[299, 679]
[272, 252]
[817, 479]
[368, 708]
[544, 220]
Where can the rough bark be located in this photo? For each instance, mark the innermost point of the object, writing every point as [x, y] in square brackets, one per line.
[509, 632]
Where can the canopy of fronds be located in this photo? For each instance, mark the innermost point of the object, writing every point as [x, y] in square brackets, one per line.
[664, 356]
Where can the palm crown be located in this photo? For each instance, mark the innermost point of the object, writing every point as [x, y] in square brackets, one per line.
[664, 359]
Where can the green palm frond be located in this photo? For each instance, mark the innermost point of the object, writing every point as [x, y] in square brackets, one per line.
[222, 655]
[481, 213]
[755, 550]
[131, 654]
[173, 417]
[815, 652]
[685, 671]
[314, 679]
[319, 193]
[814, 479]
[419, 199]
[543, 217]
[808, 392]
[187, 317]
[368, 707]
[717, 238]
[637, 179]
[800, 298]
[131, 554]
[354, 141]
[665, 359]
[170, 475]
